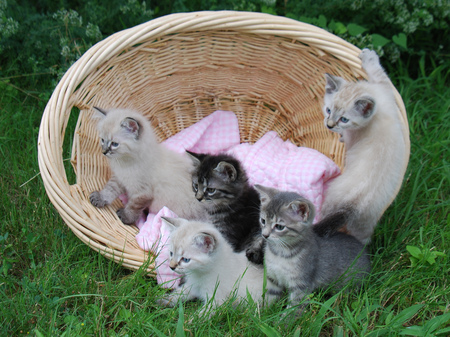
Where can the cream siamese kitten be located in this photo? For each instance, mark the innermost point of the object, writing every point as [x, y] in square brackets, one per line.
[366, 116]
[212, 271]
[151, 175]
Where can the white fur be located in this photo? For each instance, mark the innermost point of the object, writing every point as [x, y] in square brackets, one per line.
[145, 167]
[212, 275]
[374, 162]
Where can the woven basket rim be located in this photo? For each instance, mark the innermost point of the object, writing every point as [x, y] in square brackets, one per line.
[57, 112]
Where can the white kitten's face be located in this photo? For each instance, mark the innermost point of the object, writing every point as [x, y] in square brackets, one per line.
[346, 106]
[181, 261]
[118, 133]
[116, 144]
[191, 247]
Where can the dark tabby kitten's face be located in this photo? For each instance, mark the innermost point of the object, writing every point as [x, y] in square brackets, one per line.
[217, 180]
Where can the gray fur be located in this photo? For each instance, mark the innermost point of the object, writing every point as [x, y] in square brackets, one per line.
[298, 260]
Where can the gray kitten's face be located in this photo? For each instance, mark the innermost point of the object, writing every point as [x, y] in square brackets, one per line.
[276, 226]
[284, 215]
[346, 106]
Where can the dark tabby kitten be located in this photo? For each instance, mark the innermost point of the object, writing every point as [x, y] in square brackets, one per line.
[221, 184]
[296, 258]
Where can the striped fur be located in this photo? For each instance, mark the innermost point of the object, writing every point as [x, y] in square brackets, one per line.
[297, 260]
[221, 185]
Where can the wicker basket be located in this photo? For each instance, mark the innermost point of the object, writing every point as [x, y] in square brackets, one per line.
[178, 69]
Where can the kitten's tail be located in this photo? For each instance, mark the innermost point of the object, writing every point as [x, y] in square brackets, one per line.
[332, 223]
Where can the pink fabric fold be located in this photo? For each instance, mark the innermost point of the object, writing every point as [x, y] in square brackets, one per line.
[270, 162]
[153, 236]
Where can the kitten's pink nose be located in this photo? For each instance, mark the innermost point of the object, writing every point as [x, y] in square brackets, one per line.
[330, 124]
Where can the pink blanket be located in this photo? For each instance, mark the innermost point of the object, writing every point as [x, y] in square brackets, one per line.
[270, 162]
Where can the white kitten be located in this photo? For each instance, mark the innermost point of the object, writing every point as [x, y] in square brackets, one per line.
[366, 116]
[151, 175]
[211, 269]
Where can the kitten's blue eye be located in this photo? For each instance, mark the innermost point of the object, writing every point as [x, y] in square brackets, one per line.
[195, 187]
[211, 191]
[262, 221]
[185, 260]
[103, 141]
[344, 120]
[114, 144]
[279, 227]
[328, 110]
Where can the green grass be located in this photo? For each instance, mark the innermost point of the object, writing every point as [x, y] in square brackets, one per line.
[52, 284]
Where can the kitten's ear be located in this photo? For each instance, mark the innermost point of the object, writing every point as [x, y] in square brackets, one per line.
[265, 193]
[302, 210]
[333, 83]
[99, 113]
[173, 223]
[205, 242]
[131, 125]
[365, 106]
[226, 171]
[195, 158]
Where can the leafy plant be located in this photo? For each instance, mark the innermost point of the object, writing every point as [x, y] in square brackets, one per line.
[422, 255]
[395, 28]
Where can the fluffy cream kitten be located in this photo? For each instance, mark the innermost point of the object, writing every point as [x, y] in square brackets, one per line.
[366, 116]
[151, 175]
[210, 268]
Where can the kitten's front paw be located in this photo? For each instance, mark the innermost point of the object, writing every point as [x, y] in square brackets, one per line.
[97, 200]
[369, 58]
[125, 217]
[255, 255]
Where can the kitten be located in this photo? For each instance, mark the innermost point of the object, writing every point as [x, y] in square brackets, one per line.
[210, 268]
[221, 185]
[366, 116]
[299, 261]
[151, 175]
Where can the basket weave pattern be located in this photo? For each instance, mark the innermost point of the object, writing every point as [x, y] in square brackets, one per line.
[178, 69]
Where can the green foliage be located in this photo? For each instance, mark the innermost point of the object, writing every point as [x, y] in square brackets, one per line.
[45, 40]
[422, 255]
[404, 29]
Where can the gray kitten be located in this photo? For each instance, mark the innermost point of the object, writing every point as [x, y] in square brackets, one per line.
[151, 175]
[298, 260]
[367, 117]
